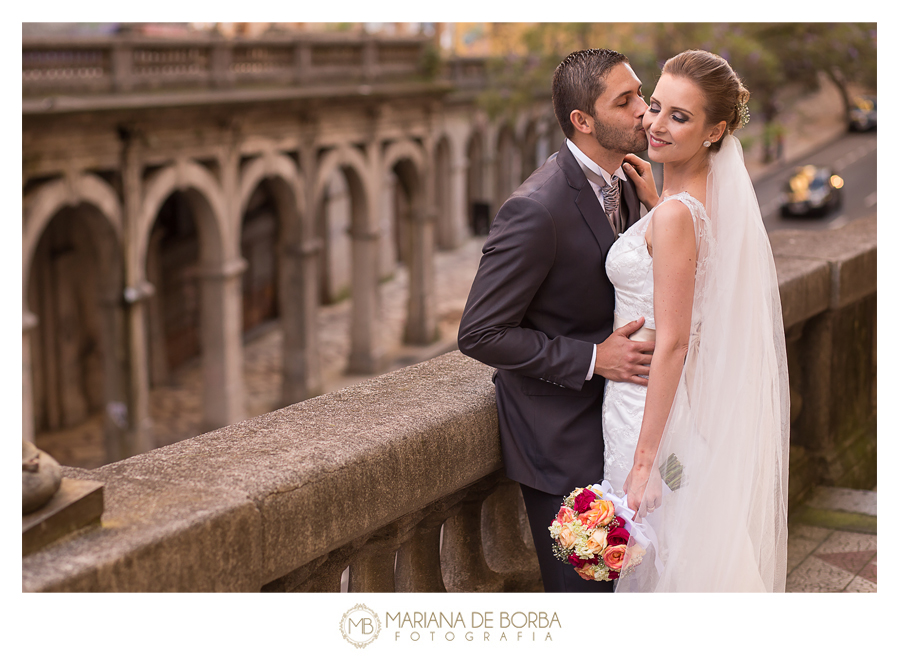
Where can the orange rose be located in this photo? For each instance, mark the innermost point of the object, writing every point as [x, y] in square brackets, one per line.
[597, 541]
[601, 512]
[614, 556]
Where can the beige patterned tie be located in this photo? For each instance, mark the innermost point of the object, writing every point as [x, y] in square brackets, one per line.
[611, 194]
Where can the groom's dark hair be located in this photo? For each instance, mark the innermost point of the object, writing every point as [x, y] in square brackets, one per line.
[578, 82]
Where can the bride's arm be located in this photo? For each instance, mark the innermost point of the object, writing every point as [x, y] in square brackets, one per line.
[674, 265]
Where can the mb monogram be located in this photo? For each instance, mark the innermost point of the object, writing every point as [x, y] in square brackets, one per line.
[360, 625]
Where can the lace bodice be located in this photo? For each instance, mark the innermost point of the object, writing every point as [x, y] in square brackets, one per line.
[630, 267]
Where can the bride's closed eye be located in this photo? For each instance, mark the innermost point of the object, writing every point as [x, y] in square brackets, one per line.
[655, 109]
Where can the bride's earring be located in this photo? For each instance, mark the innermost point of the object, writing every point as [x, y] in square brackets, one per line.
[707, 143]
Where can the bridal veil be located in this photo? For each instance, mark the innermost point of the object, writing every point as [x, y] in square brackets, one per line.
[722, 524]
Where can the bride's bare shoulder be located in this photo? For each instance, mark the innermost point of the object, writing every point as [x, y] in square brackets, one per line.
[672, 223]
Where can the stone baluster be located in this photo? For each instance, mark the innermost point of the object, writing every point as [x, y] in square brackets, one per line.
[320, 575]
[419, 559]
[508, 546]
[372, 568]
[462, 554]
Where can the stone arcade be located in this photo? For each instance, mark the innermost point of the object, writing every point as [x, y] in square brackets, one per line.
[177, 194]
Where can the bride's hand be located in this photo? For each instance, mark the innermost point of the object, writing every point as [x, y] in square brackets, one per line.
[643, 485]
[641, 175]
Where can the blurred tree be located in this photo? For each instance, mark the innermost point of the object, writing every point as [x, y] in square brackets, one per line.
[771, 58]
[845, 52]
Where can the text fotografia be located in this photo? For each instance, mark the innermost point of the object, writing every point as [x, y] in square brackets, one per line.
[480, 626]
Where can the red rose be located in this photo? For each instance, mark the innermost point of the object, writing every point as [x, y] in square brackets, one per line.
[576, 561]
[579, 562]
[613, 575]
[621, 521]
[583, 501]
[618, 536]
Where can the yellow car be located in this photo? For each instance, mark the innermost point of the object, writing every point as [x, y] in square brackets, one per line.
[811, 190]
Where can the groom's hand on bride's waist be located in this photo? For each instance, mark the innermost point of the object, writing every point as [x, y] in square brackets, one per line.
[624, 360]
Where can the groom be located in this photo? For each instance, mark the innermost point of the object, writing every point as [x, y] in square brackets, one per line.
[541, 307]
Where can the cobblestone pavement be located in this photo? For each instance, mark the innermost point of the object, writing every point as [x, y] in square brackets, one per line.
[832, 542]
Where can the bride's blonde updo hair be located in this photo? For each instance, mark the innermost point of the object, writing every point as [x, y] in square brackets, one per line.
[726, 97]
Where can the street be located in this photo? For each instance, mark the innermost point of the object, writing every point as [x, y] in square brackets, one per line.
[854, 157]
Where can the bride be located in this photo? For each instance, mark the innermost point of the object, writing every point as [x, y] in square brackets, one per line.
[702, 451]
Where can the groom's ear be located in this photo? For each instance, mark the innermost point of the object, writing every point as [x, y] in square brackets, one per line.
[580, 121]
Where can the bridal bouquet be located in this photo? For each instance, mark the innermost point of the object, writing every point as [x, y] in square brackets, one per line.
[590, 533]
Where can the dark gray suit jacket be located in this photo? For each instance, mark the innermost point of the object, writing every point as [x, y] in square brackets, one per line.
[540, 300]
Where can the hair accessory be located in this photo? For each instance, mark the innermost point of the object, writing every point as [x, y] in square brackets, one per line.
[744, 113]
[707, 143]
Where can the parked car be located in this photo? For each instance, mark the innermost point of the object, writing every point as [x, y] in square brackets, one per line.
[811, 190]
[863, 113]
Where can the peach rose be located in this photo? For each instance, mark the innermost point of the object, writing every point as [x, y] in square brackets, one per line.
[586, 572]
[566, 537]
[597, 541]
[565, 515]
[614, 556]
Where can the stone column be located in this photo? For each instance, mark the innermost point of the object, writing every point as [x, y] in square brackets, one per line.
[302, 376]
[114, 379]
[29, 322]
[459, 211]
[421, 323]
[221, 331]
[138, 435]
[366, 351]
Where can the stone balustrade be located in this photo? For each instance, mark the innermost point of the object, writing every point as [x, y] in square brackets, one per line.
[117, 64]
[400, 477]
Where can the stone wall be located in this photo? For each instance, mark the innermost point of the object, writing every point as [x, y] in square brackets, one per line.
[828, 291]
[400, 477]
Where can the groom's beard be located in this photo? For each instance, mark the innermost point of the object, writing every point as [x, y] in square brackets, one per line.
[620, 141]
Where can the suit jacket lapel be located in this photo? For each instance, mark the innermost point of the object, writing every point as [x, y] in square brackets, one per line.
[591, 210]
[629, 203]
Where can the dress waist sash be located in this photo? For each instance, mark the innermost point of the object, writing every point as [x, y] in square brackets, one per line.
[644, 333]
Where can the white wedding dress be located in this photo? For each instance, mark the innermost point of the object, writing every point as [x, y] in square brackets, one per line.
[723, 455]
[629, 267]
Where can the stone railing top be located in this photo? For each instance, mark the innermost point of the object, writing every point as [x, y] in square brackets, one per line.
[241, 506]
[825, 269]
